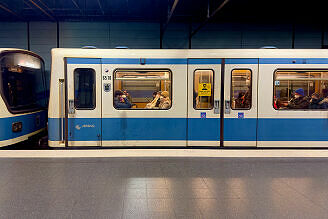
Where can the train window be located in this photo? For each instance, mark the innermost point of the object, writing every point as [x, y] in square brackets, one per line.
[22, 79]
[241, 89]
[300, 89]
[142, 89]
[203, 89]
[84, 88]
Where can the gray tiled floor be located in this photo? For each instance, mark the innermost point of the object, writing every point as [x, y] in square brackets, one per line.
[164, 188]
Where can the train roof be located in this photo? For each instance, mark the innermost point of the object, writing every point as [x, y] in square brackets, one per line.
[189, 53]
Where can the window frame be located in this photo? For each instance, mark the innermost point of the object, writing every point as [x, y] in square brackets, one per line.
[251, 105]
[294, 69]
[94, 89]
[212, 87]
[142, 69]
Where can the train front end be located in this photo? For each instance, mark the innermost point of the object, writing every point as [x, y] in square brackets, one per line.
[23, 102]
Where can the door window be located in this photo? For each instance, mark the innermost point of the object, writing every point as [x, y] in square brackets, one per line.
[84, 88]
[203, 96]
[241, 89]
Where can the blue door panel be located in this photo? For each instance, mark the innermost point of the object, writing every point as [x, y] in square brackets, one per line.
[84, 129]
[239, 129]
[204, 129]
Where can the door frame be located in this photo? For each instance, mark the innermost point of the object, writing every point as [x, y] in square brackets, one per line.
[82, 63]
[197, 136]
[247, 134]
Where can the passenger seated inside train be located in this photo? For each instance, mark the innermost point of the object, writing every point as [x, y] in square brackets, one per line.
[127, 95]
[299, 101]
[165, 102]
[154, 104]
[302, 102]
[315, 101]
[324, 103]
[121, 101]
[243, 100]
[161, 100]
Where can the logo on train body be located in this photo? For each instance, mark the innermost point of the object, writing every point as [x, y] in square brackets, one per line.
[78, 127]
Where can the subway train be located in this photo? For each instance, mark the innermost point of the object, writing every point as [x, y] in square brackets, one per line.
[23, 102]
[188, 98]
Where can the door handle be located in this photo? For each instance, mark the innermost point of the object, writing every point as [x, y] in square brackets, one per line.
[71, 109]
[216, 106]
[227, 107]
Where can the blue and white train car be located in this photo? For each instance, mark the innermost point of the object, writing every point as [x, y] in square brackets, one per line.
[23, 102]
[219, 98]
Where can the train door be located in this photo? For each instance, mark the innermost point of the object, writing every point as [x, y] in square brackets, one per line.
[204, 84]
[240, 102]
[83, 102]
[144, 102]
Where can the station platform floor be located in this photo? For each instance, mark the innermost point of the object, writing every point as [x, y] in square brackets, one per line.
[164, 187]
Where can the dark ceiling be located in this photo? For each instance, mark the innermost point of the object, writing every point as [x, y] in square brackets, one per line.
[190, 11]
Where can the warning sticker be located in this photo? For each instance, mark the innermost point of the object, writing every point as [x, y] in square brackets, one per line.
[204, 89]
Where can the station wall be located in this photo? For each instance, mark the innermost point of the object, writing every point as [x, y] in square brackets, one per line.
[40, 37]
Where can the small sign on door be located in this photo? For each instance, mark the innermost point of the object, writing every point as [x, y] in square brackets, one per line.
[204, 89]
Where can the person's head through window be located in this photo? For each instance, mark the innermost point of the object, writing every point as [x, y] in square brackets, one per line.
[315, 96]
[156, 94]
[125, 93]
[299, 93]
[165, 101]
[119, 95]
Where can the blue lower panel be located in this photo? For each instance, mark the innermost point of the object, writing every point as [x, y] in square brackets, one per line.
[293, 130]
[239, 129]
[207, 129]
[31, 123]
[120, 129]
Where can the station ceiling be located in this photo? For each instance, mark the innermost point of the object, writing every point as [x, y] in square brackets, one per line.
[189, 11]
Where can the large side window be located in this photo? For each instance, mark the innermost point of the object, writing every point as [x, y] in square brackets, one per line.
[241, 89]
[143, 89]
[84, 88]
[300, 89]
[203, 89]
[22, 82]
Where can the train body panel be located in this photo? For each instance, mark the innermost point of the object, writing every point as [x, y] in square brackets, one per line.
[214, 98]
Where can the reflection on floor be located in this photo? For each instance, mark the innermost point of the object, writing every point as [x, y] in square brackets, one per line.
[164, 188]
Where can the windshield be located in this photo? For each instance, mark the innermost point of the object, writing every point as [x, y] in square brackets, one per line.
[22, 80]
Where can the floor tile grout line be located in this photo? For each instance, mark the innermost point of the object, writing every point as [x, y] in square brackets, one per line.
[307, 198]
